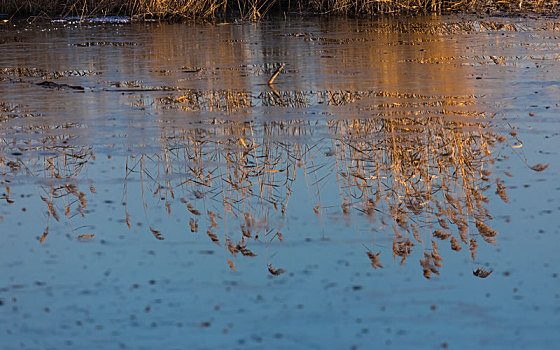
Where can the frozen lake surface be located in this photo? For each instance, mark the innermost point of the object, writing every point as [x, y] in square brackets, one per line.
[395, 187]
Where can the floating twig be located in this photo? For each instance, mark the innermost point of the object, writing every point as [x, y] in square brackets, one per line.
[275, 74]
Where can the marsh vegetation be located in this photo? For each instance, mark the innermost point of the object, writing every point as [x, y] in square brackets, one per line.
[257, 9]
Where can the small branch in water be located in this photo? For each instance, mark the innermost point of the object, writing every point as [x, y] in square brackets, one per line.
[275, 74]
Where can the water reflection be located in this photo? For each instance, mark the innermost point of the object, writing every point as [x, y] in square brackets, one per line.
[49, 159]
[417, 175]
[396, 143]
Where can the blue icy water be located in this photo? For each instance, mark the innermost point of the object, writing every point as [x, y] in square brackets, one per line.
[347, 205]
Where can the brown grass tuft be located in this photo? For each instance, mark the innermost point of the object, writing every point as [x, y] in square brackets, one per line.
[256, 9]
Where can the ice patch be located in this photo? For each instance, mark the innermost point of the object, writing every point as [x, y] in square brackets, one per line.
[109, 19]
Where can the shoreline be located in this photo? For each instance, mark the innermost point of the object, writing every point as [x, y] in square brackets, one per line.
[255, 10]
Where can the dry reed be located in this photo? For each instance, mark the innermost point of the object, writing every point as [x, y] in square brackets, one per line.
[255, 9]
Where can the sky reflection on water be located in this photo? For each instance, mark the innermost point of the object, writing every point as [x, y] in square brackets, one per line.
[158, 192]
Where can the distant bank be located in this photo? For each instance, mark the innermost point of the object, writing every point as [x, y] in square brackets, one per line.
[256, 9]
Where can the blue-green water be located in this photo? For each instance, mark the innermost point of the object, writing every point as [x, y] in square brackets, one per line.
[119, 140]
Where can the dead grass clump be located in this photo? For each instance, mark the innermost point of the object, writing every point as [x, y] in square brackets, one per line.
[255, 9]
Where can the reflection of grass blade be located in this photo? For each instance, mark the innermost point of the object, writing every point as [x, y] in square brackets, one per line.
[401, 171]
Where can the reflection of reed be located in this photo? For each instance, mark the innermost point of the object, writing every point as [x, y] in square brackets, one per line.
[418, 166]
[55, 163]
[226, 164]
[10, 111]
[427, 171]
[233, 100]
[428, 174]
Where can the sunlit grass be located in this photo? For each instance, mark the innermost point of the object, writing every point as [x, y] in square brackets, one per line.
[254, 9]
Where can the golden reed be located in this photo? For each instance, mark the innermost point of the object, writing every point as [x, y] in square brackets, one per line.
[255, 9]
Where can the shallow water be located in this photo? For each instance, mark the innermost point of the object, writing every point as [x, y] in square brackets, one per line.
[156, 191]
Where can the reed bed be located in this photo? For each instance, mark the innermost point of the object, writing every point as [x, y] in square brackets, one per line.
[256, 9]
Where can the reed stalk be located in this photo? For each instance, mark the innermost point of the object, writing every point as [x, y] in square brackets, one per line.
[256, 9]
